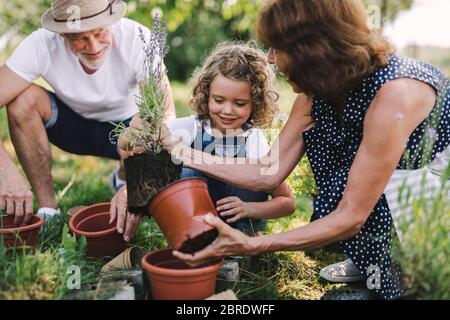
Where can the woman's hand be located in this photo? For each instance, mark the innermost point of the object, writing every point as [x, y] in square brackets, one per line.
[233, 209]
[229, 242]
[126, 222]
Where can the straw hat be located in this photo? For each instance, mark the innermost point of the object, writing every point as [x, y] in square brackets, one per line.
[73, 16]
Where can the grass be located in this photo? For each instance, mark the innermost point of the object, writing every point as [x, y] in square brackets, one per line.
[43, 274]
[424, 251]
[286, 275]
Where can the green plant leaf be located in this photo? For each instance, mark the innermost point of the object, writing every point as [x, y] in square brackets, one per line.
[82, 244]
[69, 241]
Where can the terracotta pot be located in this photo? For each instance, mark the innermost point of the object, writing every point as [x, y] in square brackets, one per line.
[178, 208]
[26, 236]
[74, 210]
[172, 279]
[127, 260]
[103, 240]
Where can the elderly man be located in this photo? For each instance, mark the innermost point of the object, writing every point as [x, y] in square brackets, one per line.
[93, 59]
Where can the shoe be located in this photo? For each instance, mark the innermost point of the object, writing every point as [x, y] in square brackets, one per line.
[244, 262]
[115, 183]
[230, 270]
[342, 272]
[52, 221]
[48, 213]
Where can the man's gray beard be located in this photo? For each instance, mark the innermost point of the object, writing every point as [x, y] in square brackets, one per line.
[93, 65]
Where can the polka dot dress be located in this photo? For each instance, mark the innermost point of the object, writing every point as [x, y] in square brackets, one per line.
[332, 146]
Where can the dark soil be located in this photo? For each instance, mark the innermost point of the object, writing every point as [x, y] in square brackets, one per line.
[198, 243]
[146, 174]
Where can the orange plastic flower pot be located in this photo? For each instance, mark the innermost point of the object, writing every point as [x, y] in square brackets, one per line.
[172, 279]
[178, 210]
[103, 240]
[25, 236]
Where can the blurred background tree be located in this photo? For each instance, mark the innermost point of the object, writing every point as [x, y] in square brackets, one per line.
[390, 8]
[195, 26]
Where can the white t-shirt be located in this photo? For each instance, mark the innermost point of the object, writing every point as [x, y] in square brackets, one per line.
[108, 94]
[186, 129]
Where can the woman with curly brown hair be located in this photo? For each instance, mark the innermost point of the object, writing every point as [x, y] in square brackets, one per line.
[363, 116]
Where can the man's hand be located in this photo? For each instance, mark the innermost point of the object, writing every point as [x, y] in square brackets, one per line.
[233, 209]
[15, 196]
[126, 150]
[126, 222]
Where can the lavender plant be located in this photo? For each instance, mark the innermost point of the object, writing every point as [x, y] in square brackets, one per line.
[152, 94]
[424, 216]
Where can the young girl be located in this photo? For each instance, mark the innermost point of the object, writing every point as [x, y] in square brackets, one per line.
[232, 98]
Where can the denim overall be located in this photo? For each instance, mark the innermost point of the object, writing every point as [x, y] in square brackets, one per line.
[232, 147]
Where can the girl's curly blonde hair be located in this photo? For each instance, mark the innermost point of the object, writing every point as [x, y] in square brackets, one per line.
[242, 62]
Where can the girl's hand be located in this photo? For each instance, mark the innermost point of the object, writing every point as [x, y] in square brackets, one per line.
[229, 242]
[233, 209]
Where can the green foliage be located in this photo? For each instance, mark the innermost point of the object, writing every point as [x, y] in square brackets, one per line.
[285, 275]
[4, 133]
[178, 12]
[196, 26]
[43, 274]
[390, 8]
[29, 276]
[301, 180]
[70, 242]
[149, 236]
[151, 110]
[150, 104]
[151, 98]
[424, 252]
[86, 188]
[24, 15]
